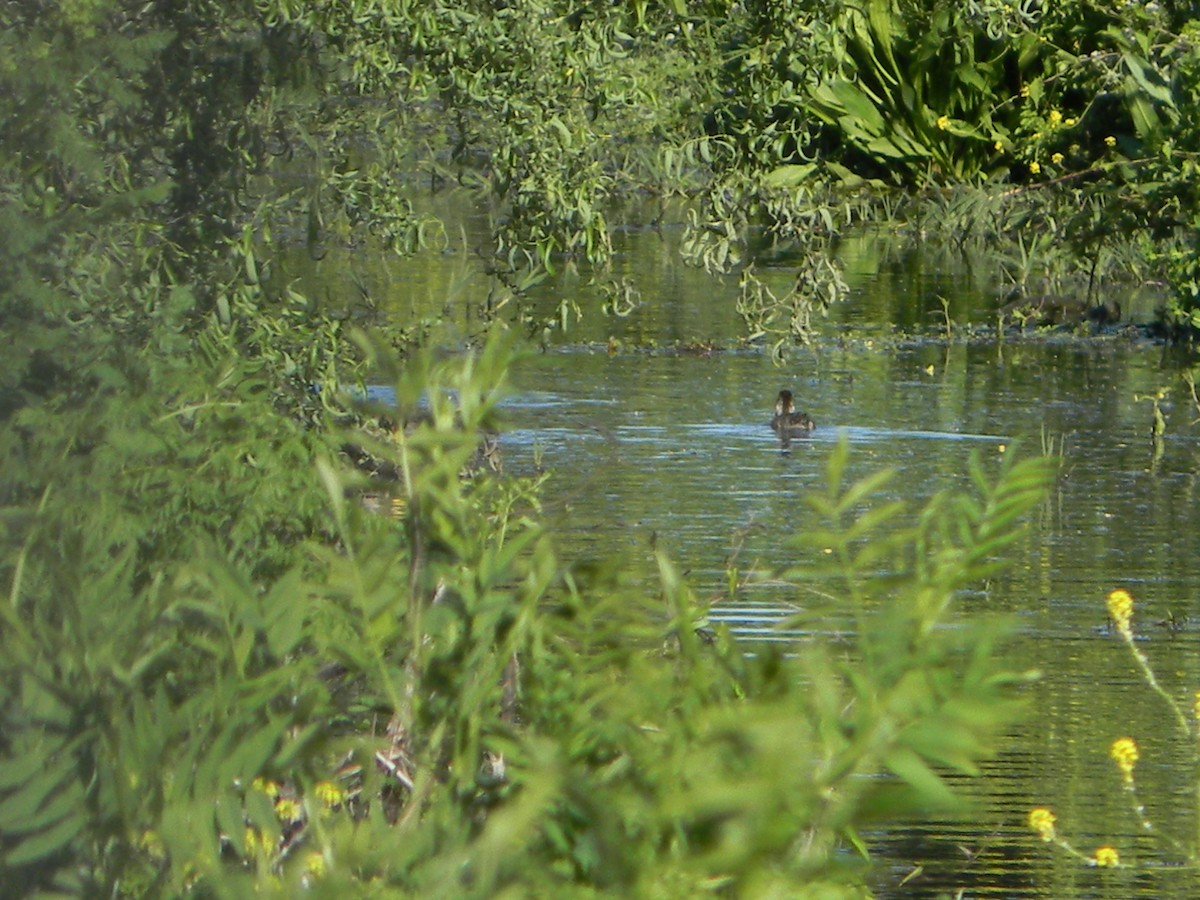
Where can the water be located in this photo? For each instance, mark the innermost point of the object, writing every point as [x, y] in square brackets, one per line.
[677, 446]
[674, 446]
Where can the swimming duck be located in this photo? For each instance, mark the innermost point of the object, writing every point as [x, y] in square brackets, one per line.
[787, 420]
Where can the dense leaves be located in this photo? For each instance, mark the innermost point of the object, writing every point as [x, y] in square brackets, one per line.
[442, 680]
[222, 670]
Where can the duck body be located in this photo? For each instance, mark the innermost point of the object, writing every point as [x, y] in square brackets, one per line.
[787, 420]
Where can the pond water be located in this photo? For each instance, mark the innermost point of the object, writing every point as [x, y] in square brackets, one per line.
[678, 446]
[674, 444]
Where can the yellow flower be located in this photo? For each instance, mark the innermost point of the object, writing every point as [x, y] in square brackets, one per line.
[999, 145]
[329, 793]
[1107, 857]
[255, 842]
[314, 865]
[287, 809]
[1120, 609]
[1069, 122]
[943, 122]
[1042, 821]
[1055, 118]
[270, 788]
[1035, 167]
[1057, 159]
[1110, 141]
[1125, 752]
[1024, 90]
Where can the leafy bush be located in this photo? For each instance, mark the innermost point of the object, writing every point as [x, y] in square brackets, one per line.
[436, 702]
[220, 673]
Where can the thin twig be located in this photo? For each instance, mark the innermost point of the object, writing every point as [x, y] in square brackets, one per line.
[394, 770]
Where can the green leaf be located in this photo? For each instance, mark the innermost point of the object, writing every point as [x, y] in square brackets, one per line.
[959, 128]
[48, 842]
[930, 787]
[252, 752]
[860, 118]
[564, 133]
[1148, 79]
[844, 175]
[230, 820]
[24, 804]
[67, 801]
[41, 703]
[260, 810]
[789, 176]
[18, 770]
[284, 613]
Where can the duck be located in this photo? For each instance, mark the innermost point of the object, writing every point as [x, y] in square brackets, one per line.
[787, 420]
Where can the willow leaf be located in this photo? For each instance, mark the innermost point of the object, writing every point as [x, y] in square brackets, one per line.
[46, 843]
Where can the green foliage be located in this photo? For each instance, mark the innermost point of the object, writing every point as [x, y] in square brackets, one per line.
[911, 699]
[1110, 126]
[538, 98]
[818, 285]
[1081, 114]
[436, 702]
[220, 673]
[1171, 188]
[176, 604]
[913, 86]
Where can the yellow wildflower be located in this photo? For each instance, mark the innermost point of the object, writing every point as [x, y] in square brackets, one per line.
[1107, 857]
[255, 842]
[1069, 122]
[315, 866]
[1120, 608]
[1125, 752]
[270, 788]
[943, 122]
[1110, 141]
[287, 809]
[329, 793]
[999, 145]
[1055, 118]
[1042, 821]
[1057, 159]
[1035, 167]
[1024, 90]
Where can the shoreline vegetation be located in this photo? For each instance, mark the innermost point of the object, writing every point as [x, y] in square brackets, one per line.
[221, 676]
